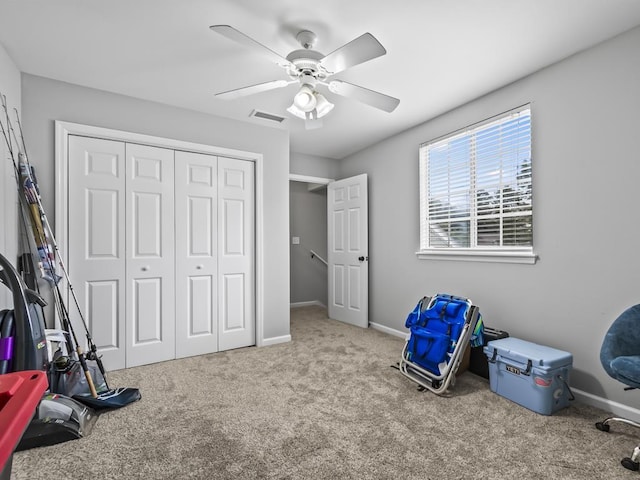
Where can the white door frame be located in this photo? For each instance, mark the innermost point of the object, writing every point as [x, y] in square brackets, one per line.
[64, 129]
[294, 177]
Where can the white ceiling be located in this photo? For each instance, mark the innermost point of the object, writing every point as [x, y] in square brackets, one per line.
[440, 54]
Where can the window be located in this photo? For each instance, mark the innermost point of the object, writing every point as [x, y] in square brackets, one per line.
[476, 192]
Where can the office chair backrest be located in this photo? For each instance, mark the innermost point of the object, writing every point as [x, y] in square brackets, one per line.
[620, 350]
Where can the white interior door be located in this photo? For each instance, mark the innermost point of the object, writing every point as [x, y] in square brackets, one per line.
[348, 257]
[150, 296]
[196, 195]
[97, 243]
[236, 245]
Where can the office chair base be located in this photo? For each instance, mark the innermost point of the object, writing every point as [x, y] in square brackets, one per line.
[604, 425]
[630, 464]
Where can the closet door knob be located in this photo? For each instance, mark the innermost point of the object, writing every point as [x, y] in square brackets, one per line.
[199, 267]
[145, 268]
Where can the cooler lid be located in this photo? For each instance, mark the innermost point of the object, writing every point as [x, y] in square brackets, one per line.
[521, 351]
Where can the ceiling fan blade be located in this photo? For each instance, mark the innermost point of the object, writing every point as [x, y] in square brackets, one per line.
[370, 97]
[360, 50]
[237, 36]
[250, 90]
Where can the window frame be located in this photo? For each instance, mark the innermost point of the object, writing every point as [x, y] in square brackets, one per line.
[504, 254]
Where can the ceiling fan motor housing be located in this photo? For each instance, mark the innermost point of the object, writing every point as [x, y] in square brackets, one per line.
[306, 62]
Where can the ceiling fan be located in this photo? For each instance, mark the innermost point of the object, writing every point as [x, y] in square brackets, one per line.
[311, 69]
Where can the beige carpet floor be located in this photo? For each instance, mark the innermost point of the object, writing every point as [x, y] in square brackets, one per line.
[325, 406]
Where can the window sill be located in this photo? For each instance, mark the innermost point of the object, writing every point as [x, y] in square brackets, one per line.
[477, 255]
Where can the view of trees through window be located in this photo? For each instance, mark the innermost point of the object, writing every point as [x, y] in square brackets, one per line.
[478, 186]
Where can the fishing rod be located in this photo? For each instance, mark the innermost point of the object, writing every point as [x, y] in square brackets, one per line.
[66, 323]
[44, 250]
[29, 197]
[26, 263]
[30, 187]
[28, 269]
[93, 353]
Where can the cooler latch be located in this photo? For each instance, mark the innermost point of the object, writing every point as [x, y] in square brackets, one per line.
[493, 357]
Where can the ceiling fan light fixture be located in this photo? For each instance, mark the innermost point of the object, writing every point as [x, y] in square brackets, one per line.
[305, 99]
[323, 106]
[296, 112]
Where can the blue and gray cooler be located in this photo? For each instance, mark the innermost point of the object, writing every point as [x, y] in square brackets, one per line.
[531, 375]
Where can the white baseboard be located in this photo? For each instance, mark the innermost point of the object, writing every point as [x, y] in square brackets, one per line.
[275, 340]
[307, 304]
[390, 331]
[607, 405]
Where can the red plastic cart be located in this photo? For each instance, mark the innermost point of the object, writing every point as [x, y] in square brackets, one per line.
[20, 393]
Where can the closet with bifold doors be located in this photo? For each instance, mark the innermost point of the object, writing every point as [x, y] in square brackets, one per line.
[161, 249]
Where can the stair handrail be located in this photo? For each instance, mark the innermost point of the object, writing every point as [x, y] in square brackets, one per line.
[314, 255]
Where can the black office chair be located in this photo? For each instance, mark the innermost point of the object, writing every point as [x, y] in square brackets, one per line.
[620, 357]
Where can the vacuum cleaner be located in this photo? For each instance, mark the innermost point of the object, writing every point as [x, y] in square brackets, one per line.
[58, 418]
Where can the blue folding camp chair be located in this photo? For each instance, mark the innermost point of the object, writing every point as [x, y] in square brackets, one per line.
[441, 328]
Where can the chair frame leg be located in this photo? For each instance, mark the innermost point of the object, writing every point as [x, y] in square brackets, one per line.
[630, 463]
[608, 420]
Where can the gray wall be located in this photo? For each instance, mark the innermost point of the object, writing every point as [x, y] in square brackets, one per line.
[585, 124]
[10, 88]
[308, 221]
[45, 100]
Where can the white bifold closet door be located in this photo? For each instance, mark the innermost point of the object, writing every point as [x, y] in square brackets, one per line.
[236, 244]
[196, 254]
[161, 250]
[96, 244]
[150, 261]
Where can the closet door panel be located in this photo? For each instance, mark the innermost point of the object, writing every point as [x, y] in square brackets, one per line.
[236, 231]
[196, 254]
[96, 258]
[150, 297]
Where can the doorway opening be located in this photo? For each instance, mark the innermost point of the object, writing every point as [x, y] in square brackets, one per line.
[308, 240]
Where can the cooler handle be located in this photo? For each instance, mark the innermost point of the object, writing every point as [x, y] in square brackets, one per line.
[529, 362]
[571, 396]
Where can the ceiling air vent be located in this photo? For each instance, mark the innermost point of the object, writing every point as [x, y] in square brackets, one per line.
[267, 116]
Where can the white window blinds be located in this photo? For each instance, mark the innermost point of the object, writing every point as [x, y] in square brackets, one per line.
[476, 190]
